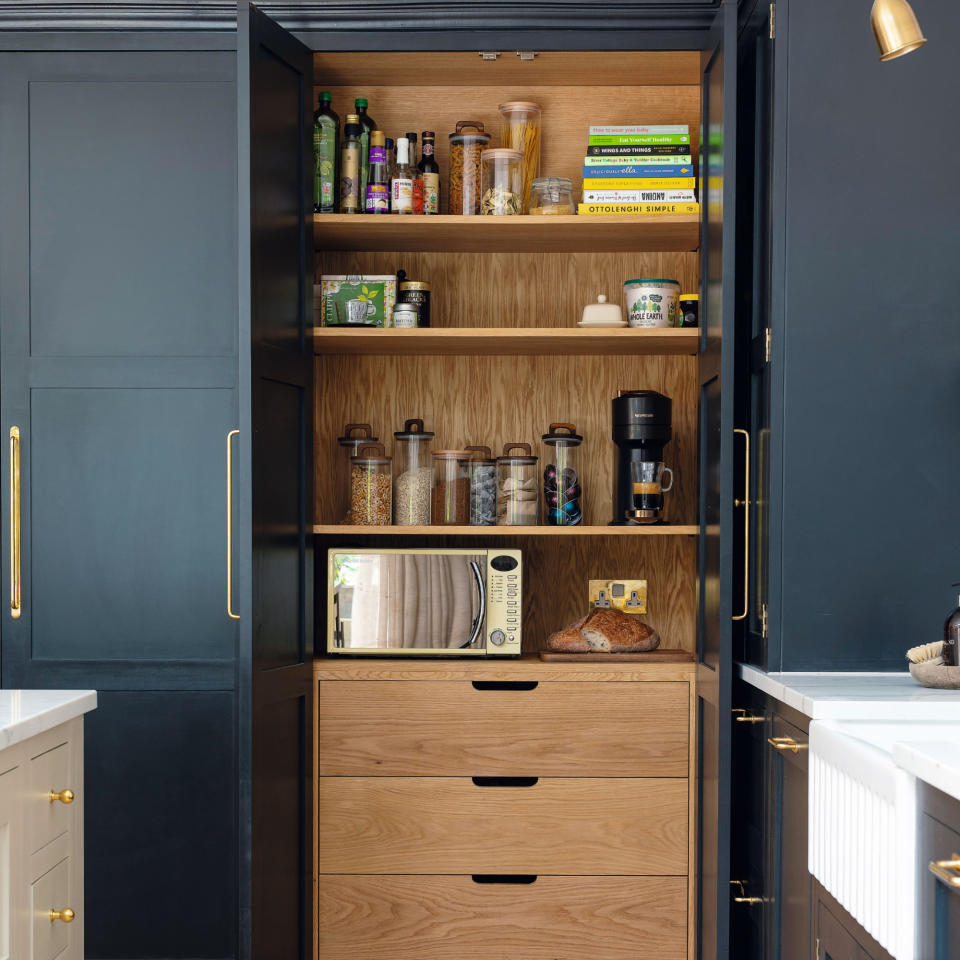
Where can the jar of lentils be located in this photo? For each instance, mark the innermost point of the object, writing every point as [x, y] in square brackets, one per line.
[371, 486]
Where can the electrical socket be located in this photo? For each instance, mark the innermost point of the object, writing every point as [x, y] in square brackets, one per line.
[629, 596]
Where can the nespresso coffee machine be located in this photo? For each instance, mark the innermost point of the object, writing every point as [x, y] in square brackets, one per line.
[641, 429]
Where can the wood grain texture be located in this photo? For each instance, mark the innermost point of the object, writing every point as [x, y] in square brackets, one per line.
[467, 69]
[661, 654]
[555, 918]
[654, 530]
[575, 826]
[393, 729]
[516, 341]
[555, 234]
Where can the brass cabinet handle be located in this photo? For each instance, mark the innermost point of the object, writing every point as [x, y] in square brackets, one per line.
[786, 743]
[745, 503]
[741, 716]
[743, 898]
[946, 870]
[230, 613]
[64, 796]
[16, 607]
[66, 915]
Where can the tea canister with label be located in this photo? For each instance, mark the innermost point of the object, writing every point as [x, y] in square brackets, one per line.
[416, 292]
[652, 302]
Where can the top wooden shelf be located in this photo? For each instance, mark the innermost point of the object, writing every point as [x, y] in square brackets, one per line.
[528, 234]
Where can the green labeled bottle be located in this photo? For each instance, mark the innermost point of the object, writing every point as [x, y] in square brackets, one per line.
[367, 126]
[326, 156]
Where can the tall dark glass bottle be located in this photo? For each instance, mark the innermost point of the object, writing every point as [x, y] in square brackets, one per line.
[326, 156]
[350, 166]
[367, 126]
[430, 169]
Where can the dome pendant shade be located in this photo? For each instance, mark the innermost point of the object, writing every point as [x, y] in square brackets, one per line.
[895, 28]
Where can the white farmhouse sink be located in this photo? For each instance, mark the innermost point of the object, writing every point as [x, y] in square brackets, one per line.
[863, 822]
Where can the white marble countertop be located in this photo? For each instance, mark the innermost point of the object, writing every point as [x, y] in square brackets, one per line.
[856, 696]
[25, 713]
[935, 762]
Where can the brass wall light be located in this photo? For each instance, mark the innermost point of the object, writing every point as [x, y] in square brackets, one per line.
[895, 28]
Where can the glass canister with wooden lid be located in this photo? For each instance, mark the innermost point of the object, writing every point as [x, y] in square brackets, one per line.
[483, 487]
[450, 502]
[413, 483]
[562, 492]
[467, 142]
[520, 130]
[371, 487]
[518, 488]
[355, 436]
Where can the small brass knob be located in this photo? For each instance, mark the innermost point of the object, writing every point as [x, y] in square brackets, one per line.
[66, 915]
[64, 796]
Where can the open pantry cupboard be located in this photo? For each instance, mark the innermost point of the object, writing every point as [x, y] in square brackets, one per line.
[500, 362]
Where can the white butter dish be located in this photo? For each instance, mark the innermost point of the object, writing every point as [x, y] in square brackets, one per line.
[602, 314]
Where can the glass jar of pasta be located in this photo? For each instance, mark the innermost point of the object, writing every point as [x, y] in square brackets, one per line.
[520, 130]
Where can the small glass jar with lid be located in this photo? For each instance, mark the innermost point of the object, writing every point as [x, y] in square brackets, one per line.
[551, 196]
[501, 191]
[483, 487]
[371, 486]
[355, 436]
[450, 503]
[562, 493]
[518, 488]
[413, 480]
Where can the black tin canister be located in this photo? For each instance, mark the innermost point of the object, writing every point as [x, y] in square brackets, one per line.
[416, 292]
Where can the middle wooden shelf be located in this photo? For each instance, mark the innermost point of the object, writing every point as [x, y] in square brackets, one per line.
[444, 530]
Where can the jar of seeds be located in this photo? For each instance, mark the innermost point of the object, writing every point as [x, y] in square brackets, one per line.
[483, 487]
[518, 495]
[371, 486]
[413, 482]
[355, 436]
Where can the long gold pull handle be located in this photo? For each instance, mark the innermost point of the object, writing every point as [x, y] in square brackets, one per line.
[745, 503]
[741, 716]
[743, 898]
[946, 870]
[786, 743]
[66, 915]
[16, 607]
[64, 796]
[230, 613]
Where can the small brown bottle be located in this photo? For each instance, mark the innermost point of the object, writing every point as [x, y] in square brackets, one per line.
[951, 637]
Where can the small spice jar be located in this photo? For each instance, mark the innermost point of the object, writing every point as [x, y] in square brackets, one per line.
[561, 477]
[483, 487]
[518, 502]
[405, 315]
[371, 486]
[501, 183]
[551, 196]
[355, 436]
[450, 503]
[413, 483]
[466, 145]
[416, 292]
[520, 130]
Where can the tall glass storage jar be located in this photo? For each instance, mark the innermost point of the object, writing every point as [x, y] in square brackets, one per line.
[371, 486]
[562, 493]
[502, 183]
[520, 130]
[413, 480]
[483, 487]
[466, 145]
[518, 494]
[355, 436]
[450, 503]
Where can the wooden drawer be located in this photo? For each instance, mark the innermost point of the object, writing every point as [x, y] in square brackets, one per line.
[553, 918]
[459, 728]
[376, 825]
[51, 938]
[51, 770]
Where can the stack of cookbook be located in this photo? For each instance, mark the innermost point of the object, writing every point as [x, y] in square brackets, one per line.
[639, 169]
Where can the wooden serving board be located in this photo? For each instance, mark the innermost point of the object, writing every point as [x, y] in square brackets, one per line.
[651, 656]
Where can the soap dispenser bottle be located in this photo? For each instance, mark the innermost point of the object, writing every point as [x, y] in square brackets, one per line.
[951, 637]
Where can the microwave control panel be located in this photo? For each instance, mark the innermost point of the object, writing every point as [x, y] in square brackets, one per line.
[504, 602]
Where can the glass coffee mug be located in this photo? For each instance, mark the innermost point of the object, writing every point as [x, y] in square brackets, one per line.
[648, 486]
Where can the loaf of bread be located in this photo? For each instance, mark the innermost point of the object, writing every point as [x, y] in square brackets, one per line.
[605, 630]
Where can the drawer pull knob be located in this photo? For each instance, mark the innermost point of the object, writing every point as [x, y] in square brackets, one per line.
[505, 781]
[505, 684]
[66, 915]
[64, 796]
[504, 878]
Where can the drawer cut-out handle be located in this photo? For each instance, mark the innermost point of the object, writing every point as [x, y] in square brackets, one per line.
[526, 878]
[505, 781]
[505, 684]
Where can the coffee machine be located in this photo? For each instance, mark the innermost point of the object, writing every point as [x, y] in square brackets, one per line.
[641, 429]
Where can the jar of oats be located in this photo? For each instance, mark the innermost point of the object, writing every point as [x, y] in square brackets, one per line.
[371, 487]
[413, 483]
[466, 145]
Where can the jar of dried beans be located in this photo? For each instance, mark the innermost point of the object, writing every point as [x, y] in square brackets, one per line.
[371, 486]
[466, 145]
[483, 487]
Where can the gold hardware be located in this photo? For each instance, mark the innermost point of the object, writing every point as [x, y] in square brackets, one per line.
[743, 898]
[818, 948]
[773, 33]
[786, 743]
[895, 28]
[746, 717]
[764, 621]
[230, 613]
[16, 607]
[946, 870]
[66, 915]
[745, 503]
[768, 333]
[64, 796]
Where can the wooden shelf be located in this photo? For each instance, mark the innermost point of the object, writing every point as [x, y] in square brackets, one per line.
[451, 234]
[519, 341]
[656, 530]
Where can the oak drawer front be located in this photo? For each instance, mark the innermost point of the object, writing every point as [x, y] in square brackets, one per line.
[50, 938]
[553, 918]
[381, 825]
[423, 728]
[50, 772]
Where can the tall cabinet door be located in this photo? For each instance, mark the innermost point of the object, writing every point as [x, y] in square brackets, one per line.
[118, 386]
[717, 476]
[276, 447]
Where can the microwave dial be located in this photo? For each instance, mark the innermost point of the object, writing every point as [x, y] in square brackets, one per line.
[497, 637]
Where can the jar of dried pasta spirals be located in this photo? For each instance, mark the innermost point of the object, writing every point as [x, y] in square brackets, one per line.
[466, 145]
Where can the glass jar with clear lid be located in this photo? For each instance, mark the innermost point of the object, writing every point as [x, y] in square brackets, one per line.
[520, 130]
[413, 480]
[518, 487]
[551, 196]
[501, 186]
[562, 493]
[355, 436]
[371, 486]
[450, 503]
[483, 487]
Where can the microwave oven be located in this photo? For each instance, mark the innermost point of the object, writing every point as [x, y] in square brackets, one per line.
[423, 602]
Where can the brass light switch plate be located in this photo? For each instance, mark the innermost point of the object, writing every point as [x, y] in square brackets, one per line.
[629, 596]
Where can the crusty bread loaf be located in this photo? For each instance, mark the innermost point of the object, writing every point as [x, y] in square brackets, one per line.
[606, 630]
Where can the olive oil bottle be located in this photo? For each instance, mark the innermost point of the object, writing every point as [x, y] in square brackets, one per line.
[367, 126]
[350, 166]
[326, 155]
